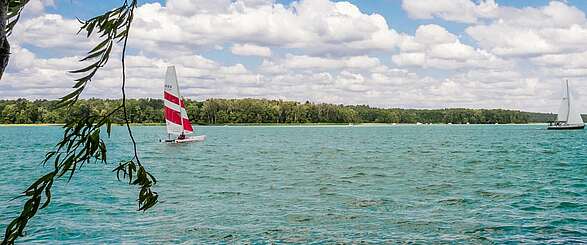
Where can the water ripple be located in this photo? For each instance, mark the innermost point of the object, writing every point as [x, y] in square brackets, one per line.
[317, 185]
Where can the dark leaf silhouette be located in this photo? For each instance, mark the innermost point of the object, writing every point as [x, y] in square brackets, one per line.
[82, 141]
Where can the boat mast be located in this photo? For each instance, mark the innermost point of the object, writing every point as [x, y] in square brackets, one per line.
[568, 102]
[181, 117]
[180, 101]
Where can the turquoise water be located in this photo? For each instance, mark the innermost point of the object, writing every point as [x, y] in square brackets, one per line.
[424, 184]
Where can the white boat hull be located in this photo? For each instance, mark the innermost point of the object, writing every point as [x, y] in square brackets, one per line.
[566, 126]
[198, 138]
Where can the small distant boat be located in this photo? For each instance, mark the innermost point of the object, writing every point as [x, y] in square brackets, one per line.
[568, 116]
[176, 118]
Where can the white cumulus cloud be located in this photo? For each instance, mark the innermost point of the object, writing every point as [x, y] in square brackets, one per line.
[453, 10]
[434, 47]
[250, 50]
[532, 31]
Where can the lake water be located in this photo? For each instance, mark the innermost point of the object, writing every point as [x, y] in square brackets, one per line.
[375, 184]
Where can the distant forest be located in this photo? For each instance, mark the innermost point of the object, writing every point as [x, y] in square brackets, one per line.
[229, 111]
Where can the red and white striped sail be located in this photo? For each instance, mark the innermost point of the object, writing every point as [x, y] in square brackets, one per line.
[176, 117]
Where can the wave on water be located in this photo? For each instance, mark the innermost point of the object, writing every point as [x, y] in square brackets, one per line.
[316, 184]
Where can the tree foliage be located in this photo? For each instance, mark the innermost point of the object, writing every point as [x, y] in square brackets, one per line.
[228, 111]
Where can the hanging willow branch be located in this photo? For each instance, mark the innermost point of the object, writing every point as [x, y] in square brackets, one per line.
[15, 8]
[82, 142]
[10, 11]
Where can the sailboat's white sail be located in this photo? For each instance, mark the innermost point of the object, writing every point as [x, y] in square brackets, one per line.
[171, 101]
[563, 110]
[187, 125]
[574, 114]
[176, 117]
[568, 112]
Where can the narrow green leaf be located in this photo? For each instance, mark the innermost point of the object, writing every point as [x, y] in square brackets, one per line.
[90, 28]
[86, 69]
[94, 55]
[100, 46]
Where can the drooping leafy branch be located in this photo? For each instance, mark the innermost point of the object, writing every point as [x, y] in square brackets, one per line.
[15, 8]
[111, 27]
[10, 11]
[81, 144]
[147, 198]
[82, 141]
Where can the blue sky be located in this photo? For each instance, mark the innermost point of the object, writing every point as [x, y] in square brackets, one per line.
[391, 53]
[391, 10]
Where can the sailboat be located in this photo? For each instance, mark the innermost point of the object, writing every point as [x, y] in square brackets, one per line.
[568, 116]
[176, 118]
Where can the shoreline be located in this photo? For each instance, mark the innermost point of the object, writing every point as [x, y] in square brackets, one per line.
[274, 124]
[31, 124]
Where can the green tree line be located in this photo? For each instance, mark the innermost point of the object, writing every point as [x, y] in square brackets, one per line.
[228, 111]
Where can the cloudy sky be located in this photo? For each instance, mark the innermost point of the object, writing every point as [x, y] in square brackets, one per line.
[387, 53]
